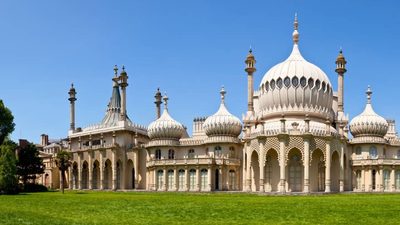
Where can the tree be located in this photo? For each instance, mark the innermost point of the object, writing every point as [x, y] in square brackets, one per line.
[8, 178]
[29, 164]
[63, 162]
[6, 122]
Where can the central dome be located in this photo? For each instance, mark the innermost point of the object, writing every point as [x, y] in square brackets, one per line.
[295, 86]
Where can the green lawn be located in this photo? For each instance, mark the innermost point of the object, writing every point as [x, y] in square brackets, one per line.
[184, 208]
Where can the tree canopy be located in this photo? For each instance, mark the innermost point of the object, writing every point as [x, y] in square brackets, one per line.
[8, 178]
[6, 122]
[29, 164]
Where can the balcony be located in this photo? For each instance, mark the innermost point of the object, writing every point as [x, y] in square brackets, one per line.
[359, 161]
[196, 161]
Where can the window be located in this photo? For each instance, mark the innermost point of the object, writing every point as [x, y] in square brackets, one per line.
[181, 182]
[397, 177]
[272, 84]
[279, 83]
[232, 180]
[204, 179]
[373, 152]
[358, 180]
[232, 152]
[303, 81]
[317, 84]
[170, 179]
[386, 180]
[287, 82]
[171, 154]
[192, 179]
[218, 151]
[160, 179]
[158, 154]
[191, 154]
[398, 154]
[358, 151]
[295, 81]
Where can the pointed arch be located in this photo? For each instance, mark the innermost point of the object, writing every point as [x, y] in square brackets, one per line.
[295, 170]
[271, 171]
[130, 175]
[335, 172]
[255, 171]
[107, 174]
[85, 175]
[96, 175]
[317, 171]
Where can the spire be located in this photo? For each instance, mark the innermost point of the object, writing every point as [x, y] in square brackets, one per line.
[369, 95]
[222, 92]
[158, 102]
[165, 98]
[296, 32]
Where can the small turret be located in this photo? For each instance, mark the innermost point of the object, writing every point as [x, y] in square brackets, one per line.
[250, 69]
[158, 102]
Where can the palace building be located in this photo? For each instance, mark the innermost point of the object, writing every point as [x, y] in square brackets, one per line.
[294, 137]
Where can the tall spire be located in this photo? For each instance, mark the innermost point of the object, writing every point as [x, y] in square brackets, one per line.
[296, 28]
[369, 94]
[158, 102]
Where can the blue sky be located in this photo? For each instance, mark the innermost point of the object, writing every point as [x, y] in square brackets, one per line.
[188, 49]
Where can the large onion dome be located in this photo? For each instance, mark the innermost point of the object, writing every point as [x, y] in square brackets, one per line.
[222, 123]
[368, 123]
[295, 86]
[165, 127]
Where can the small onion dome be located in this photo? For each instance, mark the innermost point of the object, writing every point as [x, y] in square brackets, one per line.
[222, 123]
[368, 123]
[165, 127]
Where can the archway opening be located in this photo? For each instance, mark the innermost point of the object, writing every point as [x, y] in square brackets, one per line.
[107, 174]
[272, 171]
[85, 175]
[335, 172]
[317, 171]
[295, 173]
[96, 175]
[255, 172]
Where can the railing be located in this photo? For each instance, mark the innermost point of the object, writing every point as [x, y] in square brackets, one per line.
[375, 162]
[197, 161]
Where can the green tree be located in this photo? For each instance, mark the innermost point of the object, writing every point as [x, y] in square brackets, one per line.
[8, 169]
[63, 162]
[6, 122]
[29, 164]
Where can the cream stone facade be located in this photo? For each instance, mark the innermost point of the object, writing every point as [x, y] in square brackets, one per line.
[293, 138]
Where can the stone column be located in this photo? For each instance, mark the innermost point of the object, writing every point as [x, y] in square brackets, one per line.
[341, 175]
[307, 164]
[393, 178]
[209, 178]
[220, 178]
[70, 179]
[79, 171]
[328, 167]
[187, 179]
[380, 180]
[363, 178]
[282, 165]
[101, 168]
[90, 168]
[176, 179]
[114, 169]
[248, 172]
[261, 160]
[136, 167]
[197, 178]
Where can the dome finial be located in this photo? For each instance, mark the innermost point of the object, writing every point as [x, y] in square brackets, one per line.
[222, 92]
[165, 98]
[369, 94]
[116, 70]
[296, 32]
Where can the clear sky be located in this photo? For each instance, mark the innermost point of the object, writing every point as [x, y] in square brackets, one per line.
[188, 49]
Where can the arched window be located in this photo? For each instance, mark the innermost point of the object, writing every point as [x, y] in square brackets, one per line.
[171, 154]
[204, 179]
[191, 153]
[358, 180]
[358, 151]
[170, 179]
[373, 152]
[181, 181]
[232, 180]
[158, 154]
[218, 151]
[397, 180]
[232, 152]
[192, 179]
[386, 180]
[160, 179]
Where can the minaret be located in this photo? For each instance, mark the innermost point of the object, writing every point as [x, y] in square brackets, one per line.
[250, 69]
[123, 83]
[165, 98]
[296, 30]
[158, 102]
[340, 70]
[72, 99]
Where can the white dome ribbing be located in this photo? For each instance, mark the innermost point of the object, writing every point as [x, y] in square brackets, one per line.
[222, 123]
[165, 127]
[296, 85]
[368, 123]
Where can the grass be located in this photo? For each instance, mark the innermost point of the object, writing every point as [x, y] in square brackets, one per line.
[185, 208]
